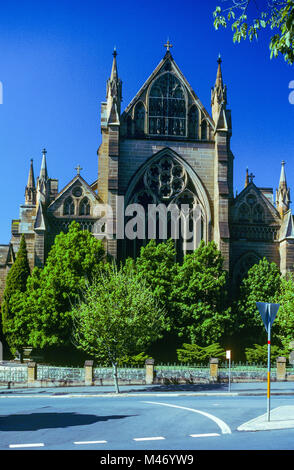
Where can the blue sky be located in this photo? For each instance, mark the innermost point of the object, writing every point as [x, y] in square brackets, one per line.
[55, 58]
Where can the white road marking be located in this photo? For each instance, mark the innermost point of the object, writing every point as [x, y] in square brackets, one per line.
[12, 446]
[159, 438]
[225, 429]
[212, 434]
[90, 442]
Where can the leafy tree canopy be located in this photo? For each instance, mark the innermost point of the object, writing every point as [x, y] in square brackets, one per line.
[248, 18]
[259, 354]
[158, 267]
[74, 259]
[20, 270]
[15, 286]
[262, 284]
[118, 316]
[284, 322]
[200, 296]
[192, 353]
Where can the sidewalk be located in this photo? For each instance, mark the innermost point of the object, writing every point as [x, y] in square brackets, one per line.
[237, 389]
[280, 418]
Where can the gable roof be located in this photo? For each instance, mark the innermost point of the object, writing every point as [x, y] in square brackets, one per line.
[176, 70]
[72, 183]
[252, 187]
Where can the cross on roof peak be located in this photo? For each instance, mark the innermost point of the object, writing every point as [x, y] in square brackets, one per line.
[251, 176]
[78, 168]
[168, 45]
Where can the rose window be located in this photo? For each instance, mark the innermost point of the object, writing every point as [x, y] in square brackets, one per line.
[166, 178]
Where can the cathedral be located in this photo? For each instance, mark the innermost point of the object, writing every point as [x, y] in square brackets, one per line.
[164, 148]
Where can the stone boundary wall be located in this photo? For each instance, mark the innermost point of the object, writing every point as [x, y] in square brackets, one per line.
[31, 374]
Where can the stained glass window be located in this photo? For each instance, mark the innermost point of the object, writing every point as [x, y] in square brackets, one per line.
[204, 130]
[69, 207]
[258, 213]
[244, 213]
[167, 107]
[129, 125]
[193, 122]
[139, 119]
[85, 207]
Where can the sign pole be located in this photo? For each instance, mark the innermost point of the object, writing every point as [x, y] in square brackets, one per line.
[268, 369]
[268, 314]
[228, 356]
[230, 372]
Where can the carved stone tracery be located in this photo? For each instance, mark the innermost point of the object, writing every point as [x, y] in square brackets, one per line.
[167, 106]
[165, 179]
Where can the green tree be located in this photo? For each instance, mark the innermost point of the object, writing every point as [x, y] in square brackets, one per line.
[74, 259]
[247, 20]
[259, 354]
[15, 286]
[284, 322]
[262, 284]
[200, 296]
[192, 353]
[158, 267]
[117, 316]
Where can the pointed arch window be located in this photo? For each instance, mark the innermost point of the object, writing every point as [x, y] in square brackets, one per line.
[139, 119]
[85, 207]
[129, 125]
[244, 213]
[167, 107]
[258, 214]
[68, 207]
[193, 122]
[166, 185]
[204, 129]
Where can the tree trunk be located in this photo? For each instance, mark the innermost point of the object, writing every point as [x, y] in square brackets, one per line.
[114, 365]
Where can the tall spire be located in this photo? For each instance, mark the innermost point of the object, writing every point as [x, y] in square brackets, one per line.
[218, 94]
[31, 178]
[30, 190]
[114, 90]
[114, 74]
[43, 181]
[219, 76]
[283, 175]
[283, 193]
[43, 172]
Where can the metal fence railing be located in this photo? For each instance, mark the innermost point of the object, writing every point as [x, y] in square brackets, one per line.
[14, 374]
[18, 373]
[123, 373]
[60, 373]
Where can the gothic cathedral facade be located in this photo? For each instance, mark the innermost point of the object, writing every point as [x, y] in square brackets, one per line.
[164, 148]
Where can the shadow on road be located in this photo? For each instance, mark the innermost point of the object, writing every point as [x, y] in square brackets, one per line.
[184, 388]
[35, 421]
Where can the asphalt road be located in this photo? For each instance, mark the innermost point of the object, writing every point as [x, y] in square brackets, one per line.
[141, 422]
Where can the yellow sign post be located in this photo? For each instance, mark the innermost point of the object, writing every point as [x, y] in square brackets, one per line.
[268, 314]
